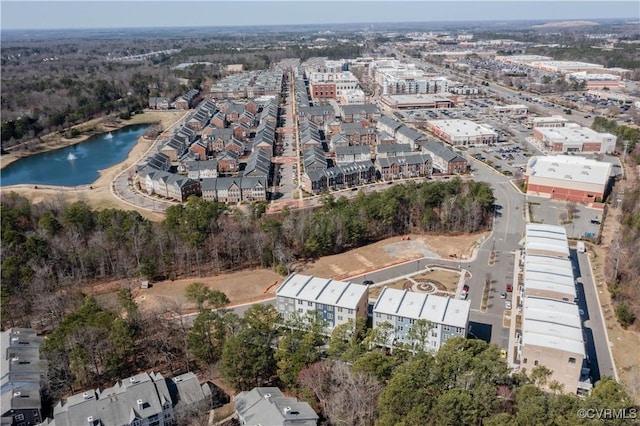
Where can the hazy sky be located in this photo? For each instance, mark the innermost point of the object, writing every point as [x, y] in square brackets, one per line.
[25, 14]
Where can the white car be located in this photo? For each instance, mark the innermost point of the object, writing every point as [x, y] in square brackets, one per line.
[507, 305]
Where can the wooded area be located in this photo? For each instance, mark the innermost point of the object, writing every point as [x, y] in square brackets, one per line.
[51, 251]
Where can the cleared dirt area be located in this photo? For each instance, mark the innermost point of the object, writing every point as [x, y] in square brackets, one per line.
[256, 284]
[392, 250]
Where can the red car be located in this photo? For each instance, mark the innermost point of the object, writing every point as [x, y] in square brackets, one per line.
[509, 288]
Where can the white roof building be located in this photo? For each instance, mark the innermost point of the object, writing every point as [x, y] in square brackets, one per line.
[335, 301]
[462, 132]
[401, 308]
[575, 138]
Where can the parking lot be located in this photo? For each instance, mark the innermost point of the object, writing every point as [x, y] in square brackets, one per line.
[579, 221]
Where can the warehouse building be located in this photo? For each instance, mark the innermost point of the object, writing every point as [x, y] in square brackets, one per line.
[570, 178]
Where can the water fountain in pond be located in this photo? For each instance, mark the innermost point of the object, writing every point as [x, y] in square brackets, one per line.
[109, 136]
[71, 157]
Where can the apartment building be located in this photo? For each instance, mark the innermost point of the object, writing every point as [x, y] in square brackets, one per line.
[336, 302]
[402, 308]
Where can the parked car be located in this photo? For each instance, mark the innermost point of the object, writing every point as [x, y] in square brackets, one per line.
[507, 304]
[367, 282]
[465, 287]
[509, 288]
[503, 295]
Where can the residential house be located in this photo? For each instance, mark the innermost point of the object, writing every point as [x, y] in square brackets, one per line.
[350, 154]
[144, 399]
[188, 100]
[241, 131]
[314, 159]
[175, 147]
[228, 162]
[218, 120]
[222, 189]
[218, 138]
[388, 125]
[359, 135]
[157, 161]
[337, 141]
[445, 159]
[253, 188]
[198, 120]
[335, 302]
[269, 407]
[317, 114]
[258, 165]
[200, 148]
[168, 185]
[197, 170]
[409, 136]
[359, 112]
[21, 375]
[234, 145]
[160, 103]
[385, 138]
[392, 150]
[404, 166]
[357, 173]
[314, 181]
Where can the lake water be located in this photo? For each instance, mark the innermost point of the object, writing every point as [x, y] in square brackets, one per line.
[74, 165]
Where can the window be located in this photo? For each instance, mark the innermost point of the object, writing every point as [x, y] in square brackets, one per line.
[389, 317]
[309, 303]
[350, 311]
[300, 310]
[19, 417]
[412, 321]
[524, 361]
[535, 362]
[339, 309]
[339, 317]
[378, 315]
[299, 302]
[446, 328]
[572, 360]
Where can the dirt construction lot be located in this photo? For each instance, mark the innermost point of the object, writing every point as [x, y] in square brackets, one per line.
[257, 284]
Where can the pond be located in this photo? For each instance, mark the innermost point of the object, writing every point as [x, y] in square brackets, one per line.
[74, 165]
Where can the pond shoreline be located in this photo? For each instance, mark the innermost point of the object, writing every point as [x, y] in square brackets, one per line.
[89, 129]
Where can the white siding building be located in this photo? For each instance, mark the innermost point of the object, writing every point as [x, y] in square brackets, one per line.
[336, 302]
[401, 308]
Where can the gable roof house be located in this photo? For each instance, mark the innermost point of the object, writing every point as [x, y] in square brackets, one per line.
[314, 181]
[392, 150]
[258, 165]
[358, 112]
[228, 162]
[388, 125]
[350, 154]
[168, 185]
[160, 103]
[200, 148]
[198, 120]
[337, 141]
[175, 147]
[187, 100]
[197, 170]
[314, 159]
[359, 135]
[21, 374]
[445, 159]
[317, 114]
[269, 407]
[143, 399]
[409, 136]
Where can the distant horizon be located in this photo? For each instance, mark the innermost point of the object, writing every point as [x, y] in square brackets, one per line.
[111, 15]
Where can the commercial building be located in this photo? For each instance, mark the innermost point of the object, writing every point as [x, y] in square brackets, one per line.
[553, 121]
[417, 101]
[324, 85]
[597, 81]
[142, 400]
[269, 407]
[336, 302]
[21, 374]
[574, 138]
[550, 278]
[401, 308]
[551, 336]
[551, 332]
[462, 132]
[570, 178]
